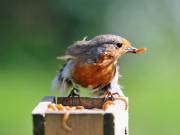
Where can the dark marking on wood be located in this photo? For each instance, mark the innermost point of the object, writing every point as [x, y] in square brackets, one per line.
[38, 125]
[87, 102]
[108, 124]
[125, 131]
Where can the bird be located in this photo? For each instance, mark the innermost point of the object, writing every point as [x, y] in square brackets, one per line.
[93, 64]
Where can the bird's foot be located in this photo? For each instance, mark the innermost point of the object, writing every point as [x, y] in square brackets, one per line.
[72, 95]
[111, 97]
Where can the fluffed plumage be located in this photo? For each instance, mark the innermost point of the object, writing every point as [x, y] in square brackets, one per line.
[92, 64]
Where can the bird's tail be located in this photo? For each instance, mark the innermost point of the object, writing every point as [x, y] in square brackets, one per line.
[62, 80]
[59, 85]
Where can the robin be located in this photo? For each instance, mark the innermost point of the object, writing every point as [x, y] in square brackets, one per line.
[92, 64]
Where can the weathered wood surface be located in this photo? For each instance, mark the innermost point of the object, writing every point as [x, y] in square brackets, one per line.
[88, 103]
[38, 115]
[113, 121]
[84, 124]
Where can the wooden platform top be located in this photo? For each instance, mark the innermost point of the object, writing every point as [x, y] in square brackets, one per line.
[92, 105]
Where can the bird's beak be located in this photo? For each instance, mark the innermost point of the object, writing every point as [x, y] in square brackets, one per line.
[131, 50]
[136, 50]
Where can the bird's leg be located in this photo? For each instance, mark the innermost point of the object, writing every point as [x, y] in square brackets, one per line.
[74, 93]
[110, 97]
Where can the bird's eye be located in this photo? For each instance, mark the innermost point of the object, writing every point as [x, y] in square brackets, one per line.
[119, 45]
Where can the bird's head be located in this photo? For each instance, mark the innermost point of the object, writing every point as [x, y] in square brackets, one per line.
[114, 46]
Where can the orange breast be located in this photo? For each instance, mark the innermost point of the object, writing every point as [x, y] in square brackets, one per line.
[93, 75]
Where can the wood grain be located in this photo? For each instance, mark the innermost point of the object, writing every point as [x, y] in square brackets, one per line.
[84, 124]
[87, 102]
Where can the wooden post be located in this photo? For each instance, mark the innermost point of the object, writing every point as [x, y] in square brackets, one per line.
[113, 121]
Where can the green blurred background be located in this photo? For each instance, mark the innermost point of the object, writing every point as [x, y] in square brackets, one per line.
[34, 32]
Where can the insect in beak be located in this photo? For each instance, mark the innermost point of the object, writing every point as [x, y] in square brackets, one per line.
[136, 50]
